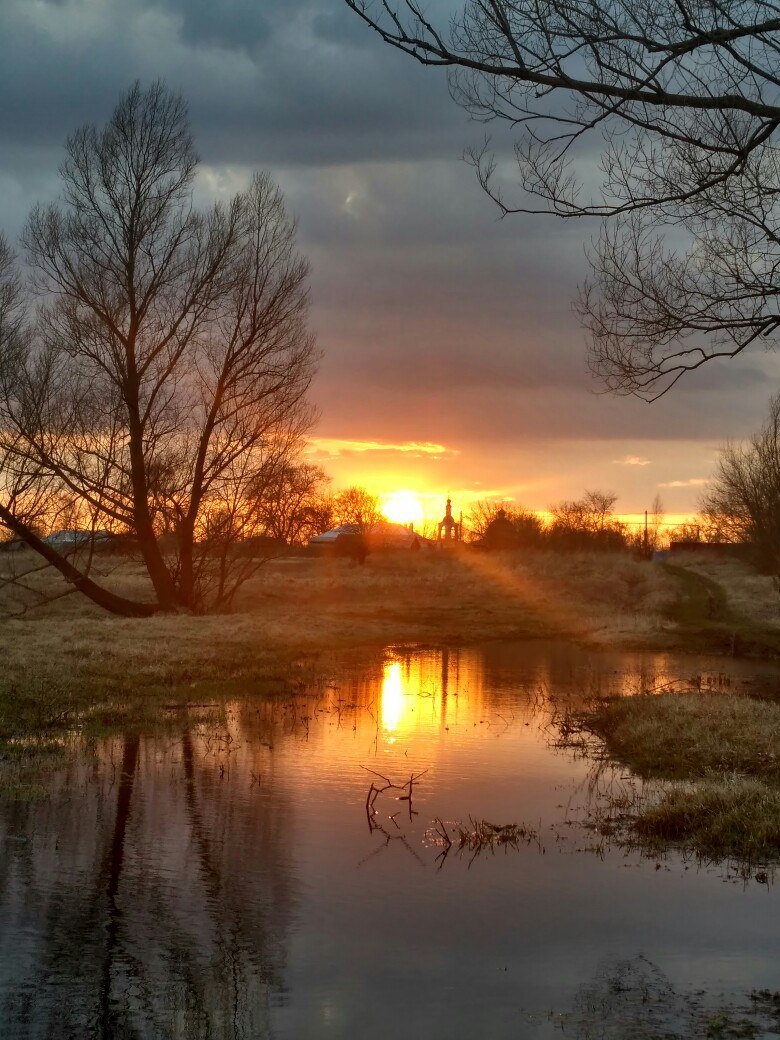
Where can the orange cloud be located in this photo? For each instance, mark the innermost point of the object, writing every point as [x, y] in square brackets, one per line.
[693, 482]
[335, 447]
[632, 460]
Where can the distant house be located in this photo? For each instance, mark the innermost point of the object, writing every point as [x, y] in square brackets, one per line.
[382, 535]
[331, 537]
[71, 538]
[387, 535]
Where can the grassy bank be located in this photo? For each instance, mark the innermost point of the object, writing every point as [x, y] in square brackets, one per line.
[721, 754]
[302, 607]
[724, 607]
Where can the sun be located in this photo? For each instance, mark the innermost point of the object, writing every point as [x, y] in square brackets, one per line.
[402, 507]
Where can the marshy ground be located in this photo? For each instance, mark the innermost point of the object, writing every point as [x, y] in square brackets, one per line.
[711, 761]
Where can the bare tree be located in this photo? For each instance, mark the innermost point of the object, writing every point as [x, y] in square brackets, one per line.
[154, 365]
[680, 99]
[587, 523]
[742, 503]
[295, 503]
[690, 532]
[357, 506]
[593, 512]
[656, 537]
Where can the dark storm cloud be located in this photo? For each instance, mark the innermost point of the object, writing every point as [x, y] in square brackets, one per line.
[234, 24]
[277, 81]
[456, 317]
[246, 25]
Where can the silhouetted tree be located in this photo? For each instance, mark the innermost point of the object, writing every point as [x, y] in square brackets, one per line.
[521, 527]
[295, 503]
[680, 98]
[742, 503]
[160, 372]
[356, 505]
[692, 531]
[587, 523]
[656, 537]
[647, 539]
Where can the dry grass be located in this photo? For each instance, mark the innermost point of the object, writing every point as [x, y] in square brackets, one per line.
[295, 607]
[68, 662]
[481, 835]
[71, 667]
[751, 596]
[304, 606]
[623, 599]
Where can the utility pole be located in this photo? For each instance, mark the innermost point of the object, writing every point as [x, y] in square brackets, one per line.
[646, 543]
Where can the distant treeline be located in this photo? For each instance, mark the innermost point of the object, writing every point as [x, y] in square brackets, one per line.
[584, 524]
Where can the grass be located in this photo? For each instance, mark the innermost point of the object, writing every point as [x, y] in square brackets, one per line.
[724, 606]
[737, 818]
[722, 755]
[691, 736]
[302, 607]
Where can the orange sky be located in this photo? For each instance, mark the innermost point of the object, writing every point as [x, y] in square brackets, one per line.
[428, 473]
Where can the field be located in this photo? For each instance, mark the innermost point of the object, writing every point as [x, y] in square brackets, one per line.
[299, 605]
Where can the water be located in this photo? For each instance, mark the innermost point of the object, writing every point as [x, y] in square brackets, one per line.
[226, 881]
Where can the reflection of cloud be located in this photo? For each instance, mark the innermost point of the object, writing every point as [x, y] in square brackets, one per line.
[631, 460]
[333, 447]
[692, 482]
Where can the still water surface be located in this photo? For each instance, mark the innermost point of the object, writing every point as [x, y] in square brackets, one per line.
[223, 881]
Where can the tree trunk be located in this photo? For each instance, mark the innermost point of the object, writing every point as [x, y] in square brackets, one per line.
[159, 574]
[187, 564]
[107, 600]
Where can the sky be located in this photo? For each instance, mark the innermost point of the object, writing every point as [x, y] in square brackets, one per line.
[452, 362]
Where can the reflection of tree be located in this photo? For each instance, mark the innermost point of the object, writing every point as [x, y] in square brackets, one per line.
[112, 872]
[146, 907]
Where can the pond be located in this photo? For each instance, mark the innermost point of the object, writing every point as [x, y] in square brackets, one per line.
[225, 879]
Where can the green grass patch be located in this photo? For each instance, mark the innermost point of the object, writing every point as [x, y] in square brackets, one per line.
[689, 736]
[719, 754]
[737, 818]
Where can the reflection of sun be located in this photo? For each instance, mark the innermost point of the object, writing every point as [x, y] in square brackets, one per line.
[392, 696]
[402, 507]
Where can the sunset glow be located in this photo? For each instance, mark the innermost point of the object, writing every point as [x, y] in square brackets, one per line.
[392, 701]
[403, 507]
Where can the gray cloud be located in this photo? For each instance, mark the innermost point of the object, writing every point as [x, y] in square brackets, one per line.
[279, 82]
